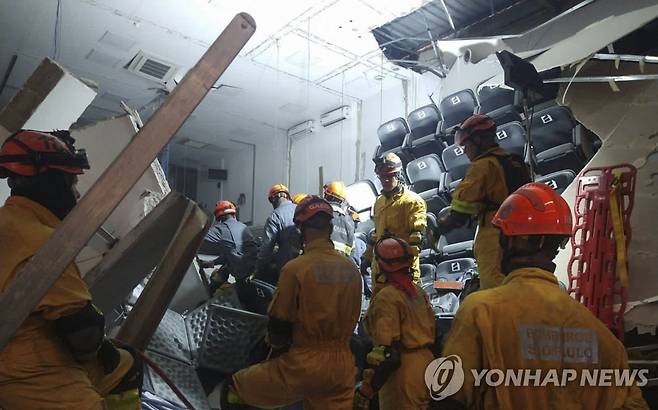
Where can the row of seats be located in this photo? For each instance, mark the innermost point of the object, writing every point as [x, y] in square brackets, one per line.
[459, 242]
[429, 129]
[555, 134]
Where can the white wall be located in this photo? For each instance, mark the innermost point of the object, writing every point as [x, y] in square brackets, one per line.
[333, 148]
[270, 169]
[390, 104]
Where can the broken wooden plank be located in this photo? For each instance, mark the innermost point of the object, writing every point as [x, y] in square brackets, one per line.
[136, 254]
[144, 318]
[43, 269]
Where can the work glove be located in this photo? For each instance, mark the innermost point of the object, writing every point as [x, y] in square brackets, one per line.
[109, 356]
[376, 356]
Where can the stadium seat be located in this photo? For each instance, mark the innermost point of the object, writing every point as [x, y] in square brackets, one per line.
[392, 135]
[553, 141]
[499, 103]
[454, 269]
[456, 163]
[422, 139]
[457, 107]
[559, 180]
[426, 174]
[457, 243]
[511, 137]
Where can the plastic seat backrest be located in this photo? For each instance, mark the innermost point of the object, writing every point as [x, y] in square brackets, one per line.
[425, 173]
[511, 137]
[551, 127]
[559, 180]
[392, 133]
[457, 107]
[455, 162]
[423, 121]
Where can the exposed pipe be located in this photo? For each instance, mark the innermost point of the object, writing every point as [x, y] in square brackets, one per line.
[8, 71]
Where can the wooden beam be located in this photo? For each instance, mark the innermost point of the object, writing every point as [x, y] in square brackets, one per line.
[43, 269]
[136, 254]
[144, 318]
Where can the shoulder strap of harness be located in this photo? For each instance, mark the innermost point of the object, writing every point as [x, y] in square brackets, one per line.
[515, 172]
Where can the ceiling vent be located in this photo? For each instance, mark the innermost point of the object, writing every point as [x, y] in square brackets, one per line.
[152, 68]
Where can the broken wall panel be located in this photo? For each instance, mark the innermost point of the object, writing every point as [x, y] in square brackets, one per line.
[103, 142]
[52, 98]
[627, 123]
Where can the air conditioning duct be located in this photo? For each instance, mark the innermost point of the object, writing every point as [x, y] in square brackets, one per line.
[151, 67]
[299, 130]
[334, 116]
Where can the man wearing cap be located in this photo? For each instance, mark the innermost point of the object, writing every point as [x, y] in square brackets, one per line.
[312, 316]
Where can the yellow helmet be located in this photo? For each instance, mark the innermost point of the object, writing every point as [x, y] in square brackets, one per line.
[335, 190]
[278, 189]
[298, 197]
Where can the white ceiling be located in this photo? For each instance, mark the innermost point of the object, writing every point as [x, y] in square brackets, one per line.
[306, 57]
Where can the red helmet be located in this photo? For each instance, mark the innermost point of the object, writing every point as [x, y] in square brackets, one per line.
[223, 208]
[309, 207]
[477, 122]
[393, 254]
[29, 153]
[277, 189]
[388, 165]
[534, 209]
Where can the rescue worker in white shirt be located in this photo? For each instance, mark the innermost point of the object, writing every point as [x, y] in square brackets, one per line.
[312, 315]
[59, 357]
[233, 244]
[398, 212]
[343, 235]
[281, 240]
[493, 174]
[529, 323]
[401, 323]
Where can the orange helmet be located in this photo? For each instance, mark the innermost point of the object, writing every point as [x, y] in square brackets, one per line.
[393, 254]
[477, 122]
[29, 153]
[224, 208]
[389, 164]
[298, 197]
[534, 209]
[335, 191]
[309, 207]
[277, 189]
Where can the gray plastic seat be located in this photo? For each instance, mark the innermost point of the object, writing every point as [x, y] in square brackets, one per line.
[456, 164]
[426, 174]
[422, 139]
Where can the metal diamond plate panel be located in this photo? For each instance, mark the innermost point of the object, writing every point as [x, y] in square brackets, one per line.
[195, 321]
[170, 338]
[184, 377]
[228, 337]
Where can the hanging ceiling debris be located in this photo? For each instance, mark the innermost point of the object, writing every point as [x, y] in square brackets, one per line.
[402, 39]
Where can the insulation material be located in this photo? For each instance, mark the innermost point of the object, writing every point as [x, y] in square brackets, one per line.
[626, 122]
